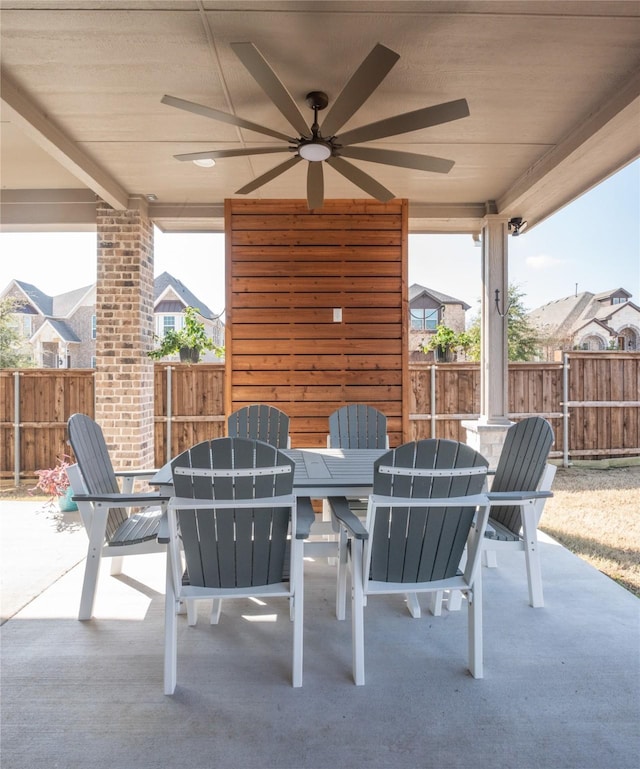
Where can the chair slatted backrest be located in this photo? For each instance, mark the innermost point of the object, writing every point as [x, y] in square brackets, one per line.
[234, 546]
[90, 449]
[520, 467]
[423, 544]
[261, 423]
[357, 426]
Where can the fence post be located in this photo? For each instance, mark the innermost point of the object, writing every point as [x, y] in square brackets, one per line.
[565, 410]
[169, 414]
[433, 401]
[16, 428]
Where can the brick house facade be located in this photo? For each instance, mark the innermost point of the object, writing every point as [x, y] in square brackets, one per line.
[61, 330]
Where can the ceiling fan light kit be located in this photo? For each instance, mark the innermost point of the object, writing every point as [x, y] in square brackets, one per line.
[317, 144]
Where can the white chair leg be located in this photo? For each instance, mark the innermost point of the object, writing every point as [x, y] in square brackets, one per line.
[413, 605]
[357, 612]
[435, 602]
[532, 557]
[454, 601]
[341, 587]
[216, 609]
[298, 619]
[90, 581]
[171, 607]
[474, 618]
[116, 566]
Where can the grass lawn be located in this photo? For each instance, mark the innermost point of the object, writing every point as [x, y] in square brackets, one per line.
[596, 515]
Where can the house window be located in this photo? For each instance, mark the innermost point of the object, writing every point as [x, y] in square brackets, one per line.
[94, 327]
[93, 361]
[424, 319]
[618, 300]
[168, 323]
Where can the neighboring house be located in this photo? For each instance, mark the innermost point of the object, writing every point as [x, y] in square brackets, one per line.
[427, 309]
[605, 321]
[62, 329]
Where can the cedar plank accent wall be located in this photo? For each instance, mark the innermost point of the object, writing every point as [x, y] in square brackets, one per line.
[287, 269]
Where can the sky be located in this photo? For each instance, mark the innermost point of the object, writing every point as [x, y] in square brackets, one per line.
[593, 244]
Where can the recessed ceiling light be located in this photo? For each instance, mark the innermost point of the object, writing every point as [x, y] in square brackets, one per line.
[151, 197]
[205, 162]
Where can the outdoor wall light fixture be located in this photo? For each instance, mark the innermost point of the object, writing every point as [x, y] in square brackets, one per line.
[516, 224]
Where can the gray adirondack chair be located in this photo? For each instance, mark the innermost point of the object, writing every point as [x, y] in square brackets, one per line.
[238, 521]
[355, 426]
[420, 518]
[522, 481]
[358, 426]
[103, 507]
[262, 423]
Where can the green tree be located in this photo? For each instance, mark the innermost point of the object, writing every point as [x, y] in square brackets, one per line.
[13, 350]
[522, 338]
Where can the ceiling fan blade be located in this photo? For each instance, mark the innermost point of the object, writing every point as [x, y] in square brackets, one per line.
[409, 121]
[223, 117]
[268, 176]
[315, 186]
[215, 154]
[362, 84]
[402, 159]
[360, 179]
[267, 79]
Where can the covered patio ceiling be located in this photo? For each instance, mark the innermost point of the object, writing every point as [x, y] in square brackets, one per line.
[553, 90]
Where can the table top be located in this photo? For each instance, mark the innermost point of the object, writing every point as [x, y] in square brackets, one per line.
[319, 472]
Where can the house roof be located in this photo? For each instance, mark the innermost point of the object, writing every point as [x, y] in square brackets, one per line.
[165, 281]
[62, 329]
[41, 301]
[416, 290]
[571, 313]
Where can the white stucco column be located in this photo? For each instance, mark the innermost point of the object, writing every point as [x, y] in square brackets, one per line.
[487, 434]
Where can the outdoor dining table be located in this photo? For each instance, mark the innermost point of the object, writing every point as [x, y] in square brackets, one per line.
[319, 473]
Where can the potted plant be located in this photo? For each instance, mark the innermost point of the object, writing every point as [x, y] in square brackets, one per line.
[54, 482]
[443, 342]
[189, 342]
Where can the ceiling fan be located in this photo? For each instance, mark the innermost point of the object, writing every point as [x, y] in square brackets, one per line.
[317, 144]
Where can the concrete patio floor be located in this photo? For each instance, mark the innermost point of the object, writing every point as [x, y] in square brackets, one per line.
[561, 687]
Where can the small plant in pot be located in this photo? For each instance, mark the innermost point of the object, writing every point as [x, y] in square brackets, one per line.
[190, 342]
[443, 342]
[54, 482]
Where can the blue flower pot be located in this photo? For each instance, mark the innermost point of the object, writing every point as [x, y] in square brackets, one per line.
[65, 503]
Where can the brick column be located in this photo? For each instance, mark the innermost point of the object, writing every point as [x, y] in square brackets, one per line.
[124, 319]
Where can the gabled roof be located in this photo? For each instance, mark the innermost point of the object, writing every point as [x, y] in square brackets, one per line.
[416, 290]
[589, 321]
[41, 301]
[64, 331]
[166, 281]
[65, 304]
[571, 313]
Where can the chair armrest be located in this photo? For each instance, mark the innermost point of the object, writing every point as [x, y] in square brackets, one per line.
[305, 517]
[136, 473]
[163, 529]
[341, 510]
[497, 497]
[124, 500]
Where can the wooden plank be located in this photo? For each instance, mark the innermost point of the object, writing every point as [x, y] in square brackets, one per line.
[312, 221]
[314, 332]
[303, 285]
[309, 238]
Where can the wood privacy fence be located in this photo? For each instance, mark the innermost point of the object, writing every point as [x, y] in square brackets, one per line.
[592, 400]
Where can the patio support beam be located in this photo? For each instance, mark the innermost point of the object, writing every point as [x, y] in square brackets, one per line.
[487, 434]
[35, 124]
[125, 322]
